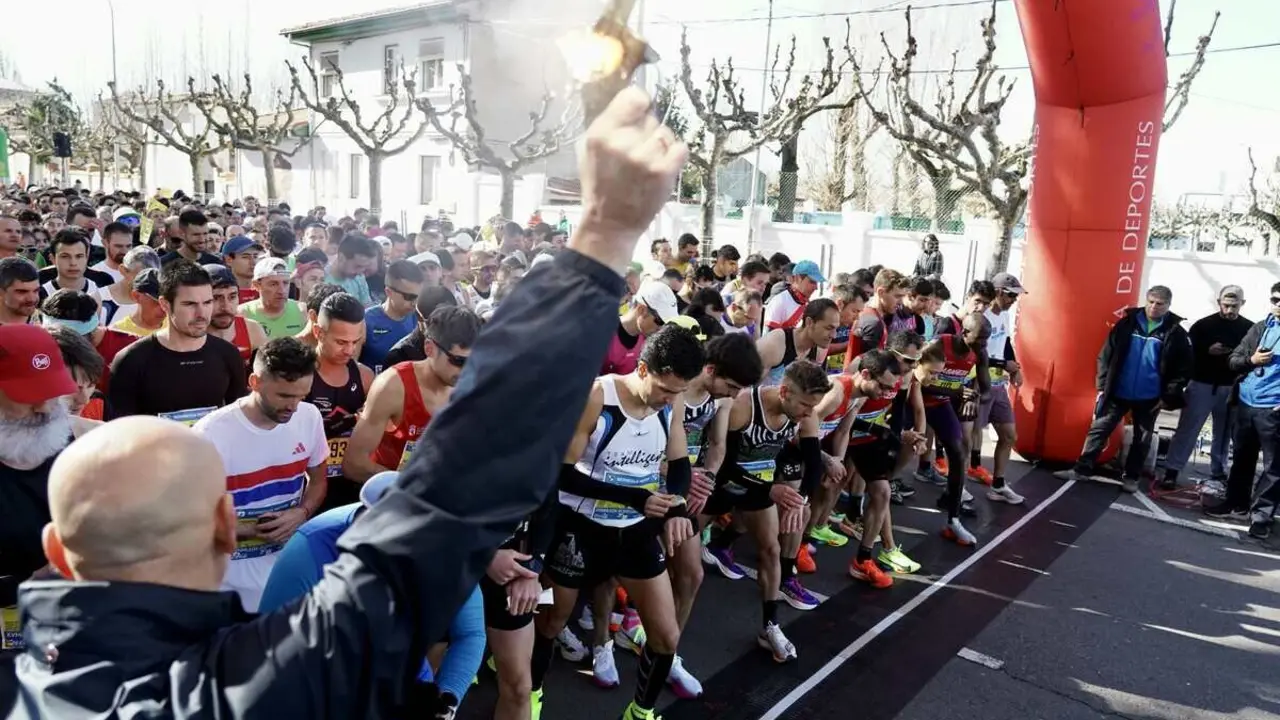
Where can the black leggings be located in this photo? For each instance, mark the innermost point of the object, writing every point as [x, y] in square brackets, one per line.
[947, 429]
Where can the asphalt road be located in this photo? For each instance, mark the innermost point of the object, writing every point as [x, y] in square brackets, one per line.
[1069, 608]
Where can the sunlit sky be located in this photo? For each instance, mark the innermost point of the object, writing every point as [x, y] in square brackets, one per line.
[1234, 104]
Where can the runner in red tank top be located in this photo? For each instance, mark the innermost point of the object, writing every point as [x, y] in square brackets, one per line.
[247, 335]
[405, 397]
[871, 331]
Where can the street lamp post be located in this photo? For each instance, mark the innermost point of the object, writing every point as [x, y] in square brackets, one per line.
[115, 143]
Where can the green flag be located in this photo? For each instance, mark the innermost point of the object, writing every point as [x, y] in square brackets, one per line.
[4, 155]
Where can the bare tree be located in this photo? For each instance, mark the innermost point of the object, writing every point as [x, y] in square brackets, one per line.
[161, 113]
[378, 139]
[728, 130]
[131, 138]
[541, 140]
[234, 116]
[32, 123]
[840, 174]
[93, 147]
[1263, 209]
[1178, 97]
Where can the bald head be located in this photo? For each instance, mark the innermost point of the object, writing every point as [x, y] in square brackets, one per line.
[975, 323]
[137, 499]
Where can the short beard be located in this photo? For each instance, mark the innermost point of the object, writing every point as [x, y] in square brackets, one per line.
[31, 441]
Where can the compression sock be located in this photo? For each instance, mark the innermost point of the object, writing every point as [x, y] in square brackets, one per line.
[975, 458]
[855, 503]
[923, 464]
[997, 482]
[770, 608]
[788, 568]
[864, 553]
[653, 672]
[725, 539]
[543, 649]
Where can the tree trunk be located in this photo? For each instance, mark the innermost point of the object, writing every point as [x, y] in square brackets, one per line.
[375, 184]
[945, 199]
[841, 141]
[710, 187]
[787, 180]
[895, 207]
[999, 261]
[102, 176]
[142, 172]
[196, 187]
[858, 175]
[268, 168]
[507, 202]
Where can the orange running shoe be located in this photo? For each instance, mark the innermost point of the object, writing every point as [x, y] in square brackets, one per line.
[981, 474]
[804, 560]
[868, 571]
[941, 465]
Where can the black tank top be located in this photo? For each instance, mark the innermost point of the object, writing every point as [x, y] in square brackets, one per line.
[789, 356]
[338, 406]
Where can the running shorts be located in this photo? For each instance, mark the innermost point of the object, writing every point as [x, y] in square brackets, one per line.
[875, 461]
[495, 608]
[996, 409]
[585, 553]
[748, 497]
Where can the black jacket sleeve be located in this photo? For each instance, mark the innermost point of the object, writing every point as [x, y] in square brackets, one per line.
[488, 459]
[1239, 362]
[1177, 363]
[1105, 356]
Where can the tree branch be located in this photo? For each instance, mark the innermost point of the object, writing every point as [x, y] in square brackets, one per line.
[1180, 95]
[1256, 211]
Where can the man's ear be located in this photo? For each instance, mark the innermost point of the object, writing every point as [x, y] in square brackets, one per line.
[54, 551]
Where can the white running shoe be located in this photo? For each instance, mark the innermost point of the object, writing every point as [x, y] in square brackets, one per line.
[772, 639]
[587, 621]
[965, 495]
[571, 648]
[1005, 495]
[603, 670]
[682, 682]
[955, 532]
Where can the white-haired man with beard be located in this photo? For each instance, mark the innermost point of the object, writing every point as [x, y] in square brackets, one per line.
[35, 426]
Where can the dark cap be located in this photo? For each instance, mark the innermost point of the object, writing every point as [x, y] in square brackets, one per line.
[147, 282]
[221, 275]
[1006, 282]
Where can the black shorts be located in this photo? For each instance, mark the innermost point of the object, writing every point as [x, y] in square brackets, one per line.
[495, 608]
[749, 497]
[586, 553]
[874, 461]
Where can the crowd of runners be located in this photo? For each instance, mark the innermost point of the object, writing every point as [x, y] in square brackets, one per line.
[740, 396]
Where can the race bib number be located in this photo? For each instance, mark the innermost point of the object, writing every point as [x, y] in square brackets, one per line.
[760, 470]
[406, 454]
[693, 440]
[835, 364]
[247, 520]
[188, 417]
[10, 630]
[605, 511]
[337, 453]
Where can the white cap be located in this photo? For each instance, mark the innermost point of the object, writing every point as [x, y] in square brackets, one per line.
[462, 240]
[425, 257]
[658, 297]
[270, 267]
[540, 259]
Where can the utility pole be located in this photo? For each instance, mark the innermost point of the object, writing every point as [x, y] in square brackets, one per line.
[115, 79]
[750, 216]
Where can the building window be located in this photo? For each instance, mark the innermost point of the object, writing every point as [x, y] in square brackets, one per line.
[329, 74]
[390, 69]
[428, 170]
[431, 63]
[353, 190]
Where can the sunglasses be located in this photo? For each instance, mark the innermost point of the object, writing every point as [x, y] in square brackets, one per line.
[1275, 300]
[454, 360]
[410, 297]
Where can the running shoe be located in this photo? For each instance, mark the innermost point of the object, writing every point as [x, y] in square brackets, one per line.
[492, 663]
[587, 620]
[1213, 488]
[1260, 529]
[1129, 485]
[723, 560]
[1168, 481]
[535, 705]
[965, 495]
[836, 517]
[869, 572]
[897, 561]
[931, 475]
[896, 497]
[824, 535]
[772, 639]
[571, 648]
[852, 528]
[682, 682]
[956, 533]
[1226, 510]
[981, 475]
[942, 466]
[1071, 475]
[615, 621]
[804, 560]
[635, 712]
[1005, 495]
[903, 487]
[706, 536]
[796, 596]
[604, 672]
[630, 634]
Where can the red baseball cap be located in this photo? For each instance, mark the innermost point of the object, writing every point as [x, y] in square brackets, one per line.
[31, 367]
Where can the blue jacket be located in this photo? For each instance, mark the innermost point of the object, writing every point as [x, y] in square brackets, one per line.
[352, 647]
[1259, 386]
[1137, 364]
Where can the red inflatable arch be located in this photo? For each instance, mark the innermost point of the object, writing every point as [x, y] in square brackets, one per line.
[1099, 72]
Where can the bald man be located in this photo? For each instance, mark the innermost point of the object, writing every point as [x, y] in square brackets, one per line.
[142, 525]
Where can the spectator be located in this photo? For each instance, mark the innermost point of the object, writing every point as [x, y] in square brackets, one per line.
[929, 264]
[1209, 393]
[1144, 364]
[1257, 427]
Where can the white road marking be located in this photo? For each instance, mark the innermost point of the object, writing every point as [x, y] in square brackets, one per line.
[1188, 524]
[1151, 505]
[1023, 567]
[982, 659]
[834, 663]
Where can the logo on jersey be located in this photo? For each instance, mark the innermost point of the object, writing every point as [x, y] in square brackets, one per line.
[300, 449]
